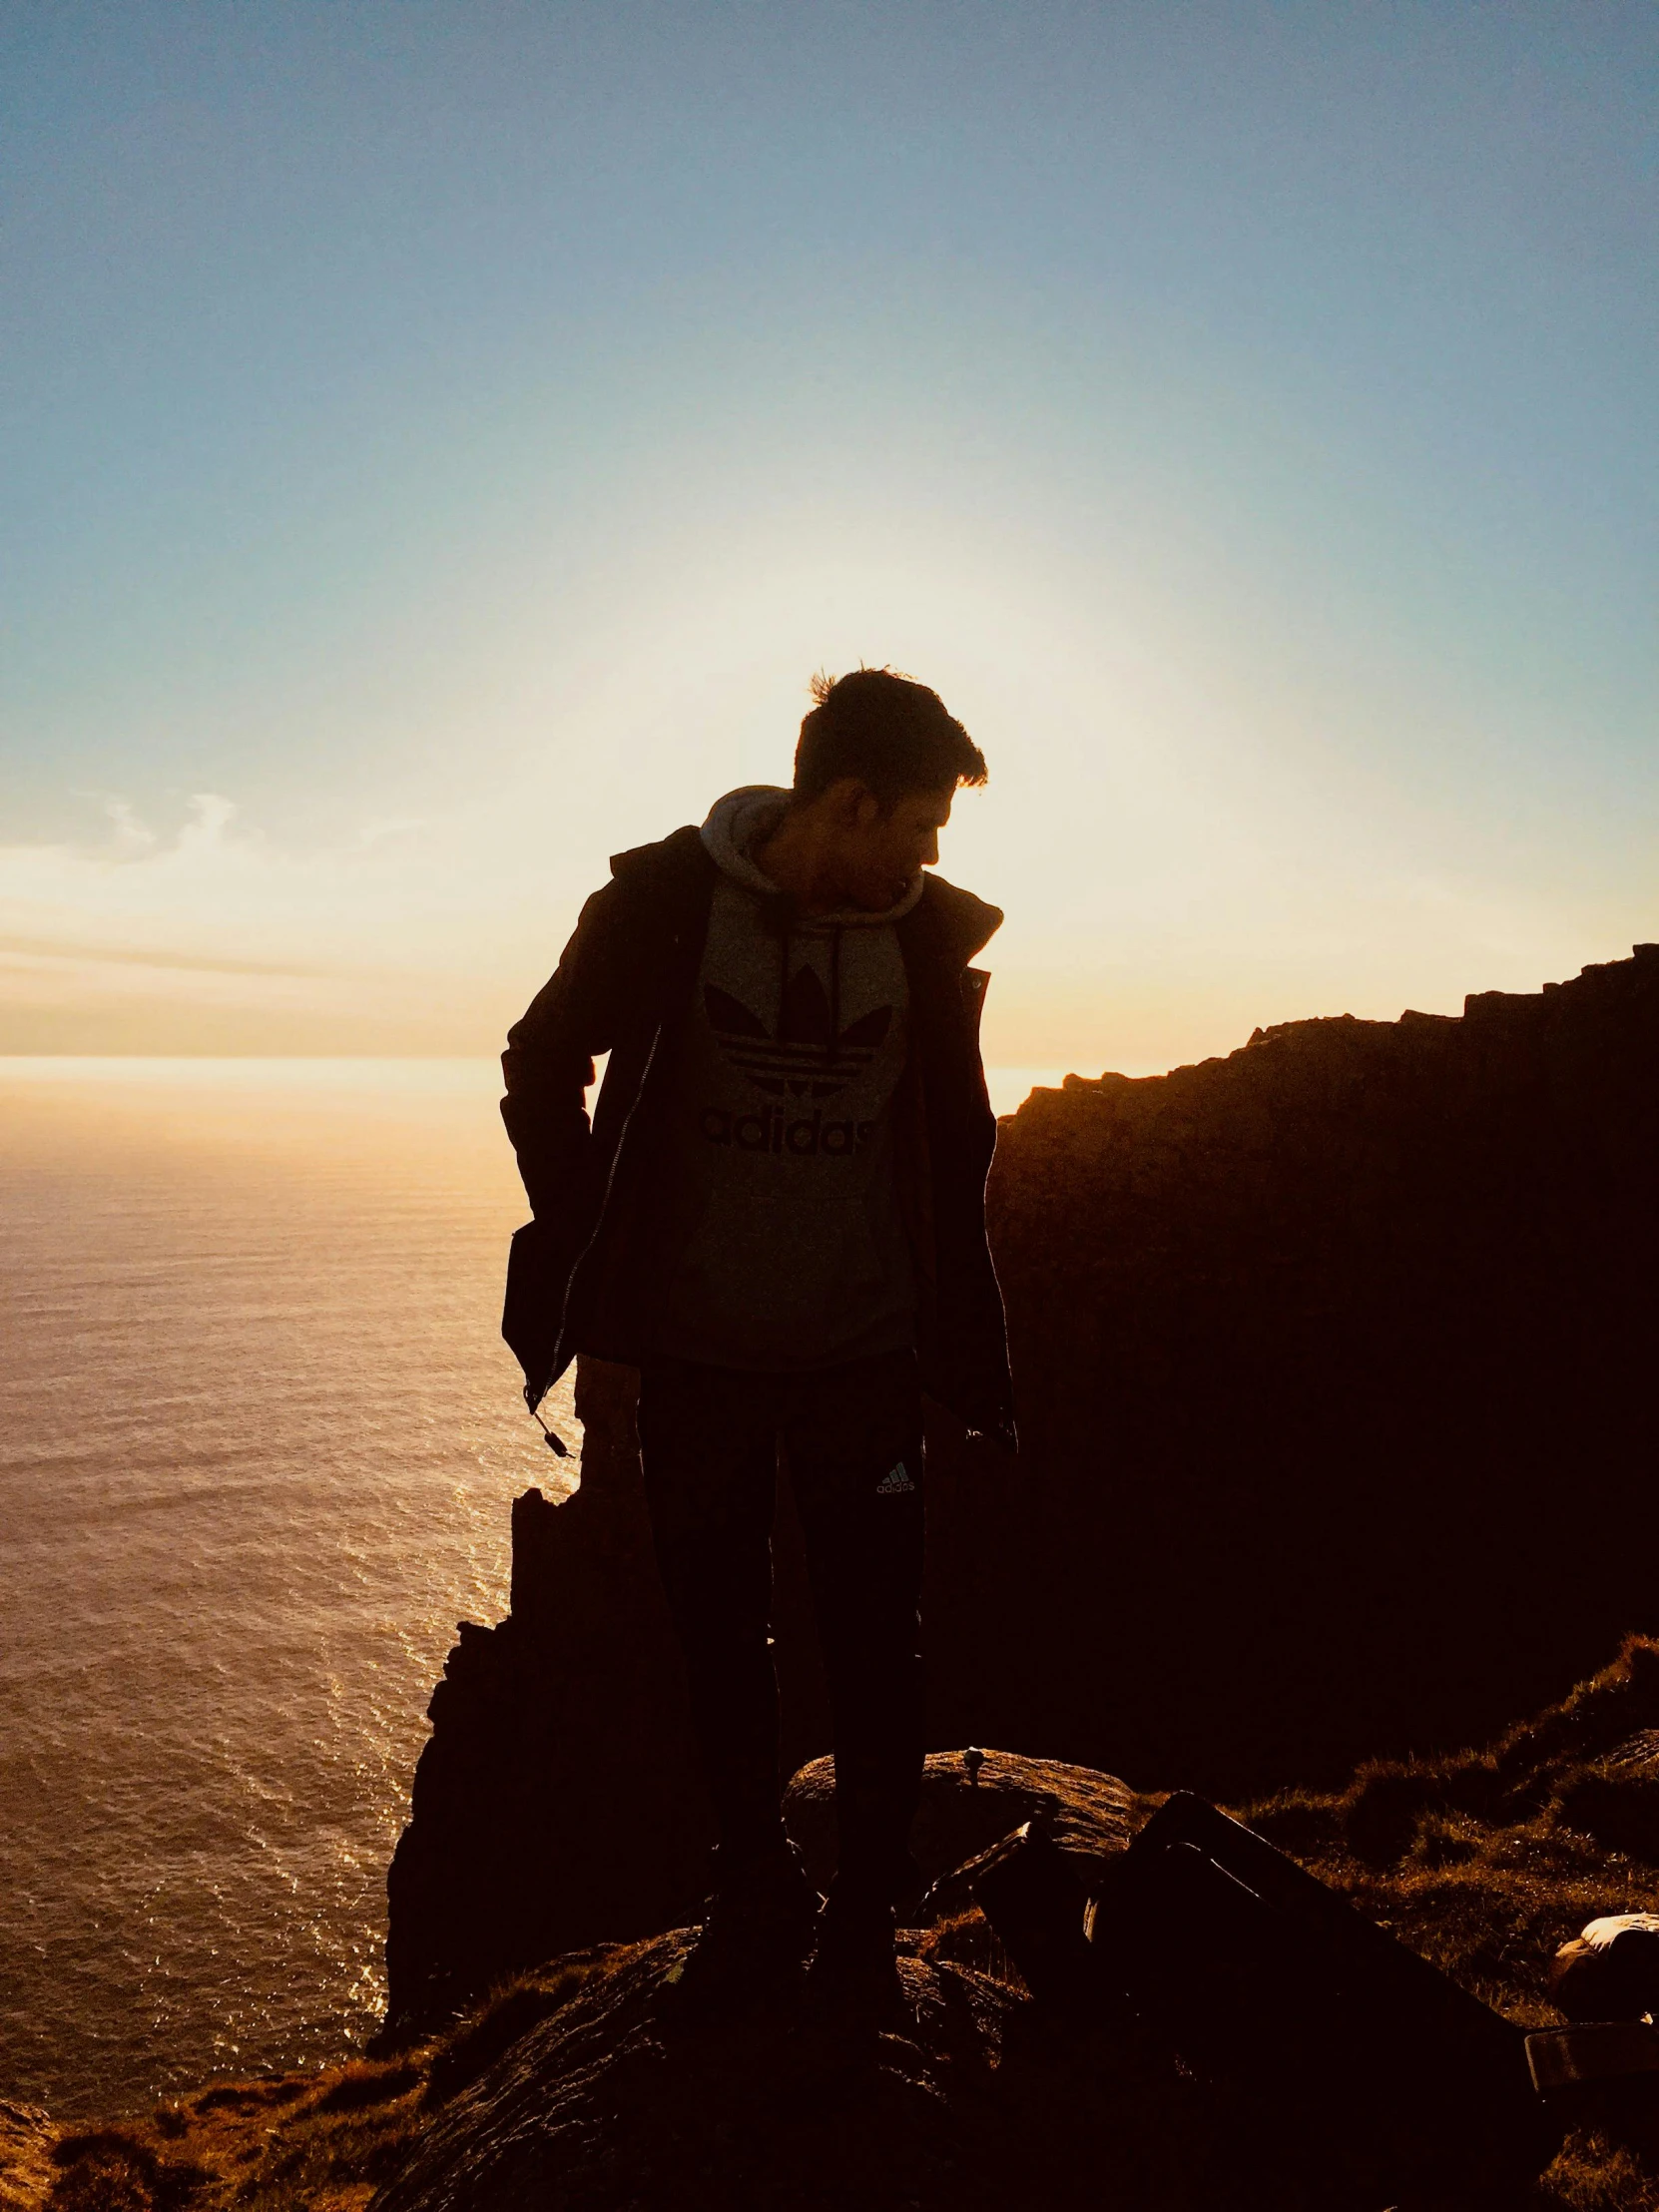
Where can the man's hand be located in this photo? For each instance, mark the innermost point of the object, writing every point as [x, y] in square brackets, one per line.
[607, 1401]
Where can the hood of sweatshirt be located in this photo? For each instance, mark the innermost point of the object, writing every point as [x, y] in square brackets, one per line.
[744, 819]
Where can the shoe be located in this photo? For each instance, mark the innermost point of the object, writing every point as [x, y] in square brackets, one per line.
[756, 1931]
[853, 1977]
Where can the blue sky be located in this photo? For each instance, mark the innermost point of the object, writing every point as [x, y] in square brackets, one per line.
[441, 441]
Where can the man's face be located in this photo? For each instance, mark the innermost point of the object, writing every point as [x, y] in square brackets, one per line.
[878, 852]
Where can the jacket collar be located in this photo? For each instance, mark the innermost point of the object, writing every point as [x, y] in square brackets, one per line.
[962, 924]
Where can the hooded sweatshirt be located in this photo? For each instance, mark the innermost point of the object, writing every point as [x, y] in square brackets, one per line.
[790, 1248]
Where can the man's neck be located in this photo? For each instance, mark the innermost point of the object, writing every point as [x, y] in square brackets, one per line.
[796, 861]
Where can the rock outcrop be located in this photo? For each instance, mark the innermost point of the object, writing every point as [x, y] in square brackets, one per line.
[556, 1803]
[1335, 1364]
[971, 1800]
[973, 2103]
[1334, 1361]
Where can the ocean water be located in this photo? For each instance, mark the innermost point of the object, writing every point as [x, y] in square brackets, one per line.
[259, 1441]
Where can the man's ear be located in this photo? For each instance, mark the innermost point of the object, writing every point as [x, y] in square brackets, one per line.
[850, 803]
[865, 810]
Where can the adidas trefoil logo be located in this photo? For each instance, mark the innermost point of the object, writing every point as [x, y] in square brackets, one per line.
[805, 1060]
[895, 1483]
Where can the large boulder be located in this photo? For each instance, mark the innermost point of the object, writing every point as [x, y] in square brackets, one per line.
[971, 1800]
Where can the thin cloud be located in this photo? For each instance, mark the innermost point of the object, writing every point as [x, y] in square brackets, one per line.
[216, 938]
[43, 948]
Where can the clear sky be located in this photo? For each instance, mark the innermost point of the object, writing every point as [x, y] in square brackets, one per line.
[443, 439]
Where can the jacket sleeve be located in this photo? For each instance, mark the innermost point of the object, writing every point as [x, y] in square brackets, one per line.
[548, 1064]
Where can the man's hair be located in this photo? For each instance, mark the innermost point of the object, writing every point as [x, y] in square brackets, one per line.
[890, 731]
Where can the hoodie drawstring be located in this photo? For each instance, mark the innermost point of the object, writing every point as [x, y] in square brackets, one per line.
[833, 1038]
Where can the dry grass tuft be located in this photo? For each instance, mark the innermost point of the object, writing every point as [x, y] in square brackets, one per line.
[357, 2086]
[113, 2169]
[321, 2142]
[1488, 1860]
[508, 2014]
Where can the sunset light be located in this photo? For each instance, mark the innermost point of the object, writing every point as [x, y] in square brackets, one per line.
[829, 1106]
[452, 519]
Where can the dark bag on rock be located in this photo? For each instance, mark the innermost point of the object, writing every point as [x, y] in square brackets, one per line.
[1265, 1980]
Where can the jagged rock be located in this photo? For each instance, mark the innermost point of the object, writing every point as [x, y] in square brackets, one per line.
[968, 1806]
[556, 1802]
[1610, 1971]
[974, 2104]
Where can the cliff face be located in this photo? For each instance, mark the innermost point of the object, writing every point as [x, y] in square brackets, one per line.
[1336, 1364]
[556, 1803]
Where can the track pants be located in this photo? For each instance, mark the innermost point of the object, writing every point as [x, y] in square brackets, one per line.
[851, 1439]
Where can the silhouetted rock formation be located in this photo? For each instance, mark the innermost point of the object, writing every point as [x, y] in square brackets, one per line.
[1335, 1365]
[556, 1802]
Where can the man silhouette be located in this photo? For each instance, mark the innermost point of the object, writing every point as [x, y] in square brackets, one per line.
[777, 1216]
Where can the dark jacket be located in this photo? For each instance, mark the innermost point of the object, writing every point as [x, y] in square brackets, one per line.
[583, 1273]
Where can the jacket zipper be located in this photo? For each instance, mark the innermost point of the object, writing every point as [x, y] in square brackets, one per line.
[561, 1359]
